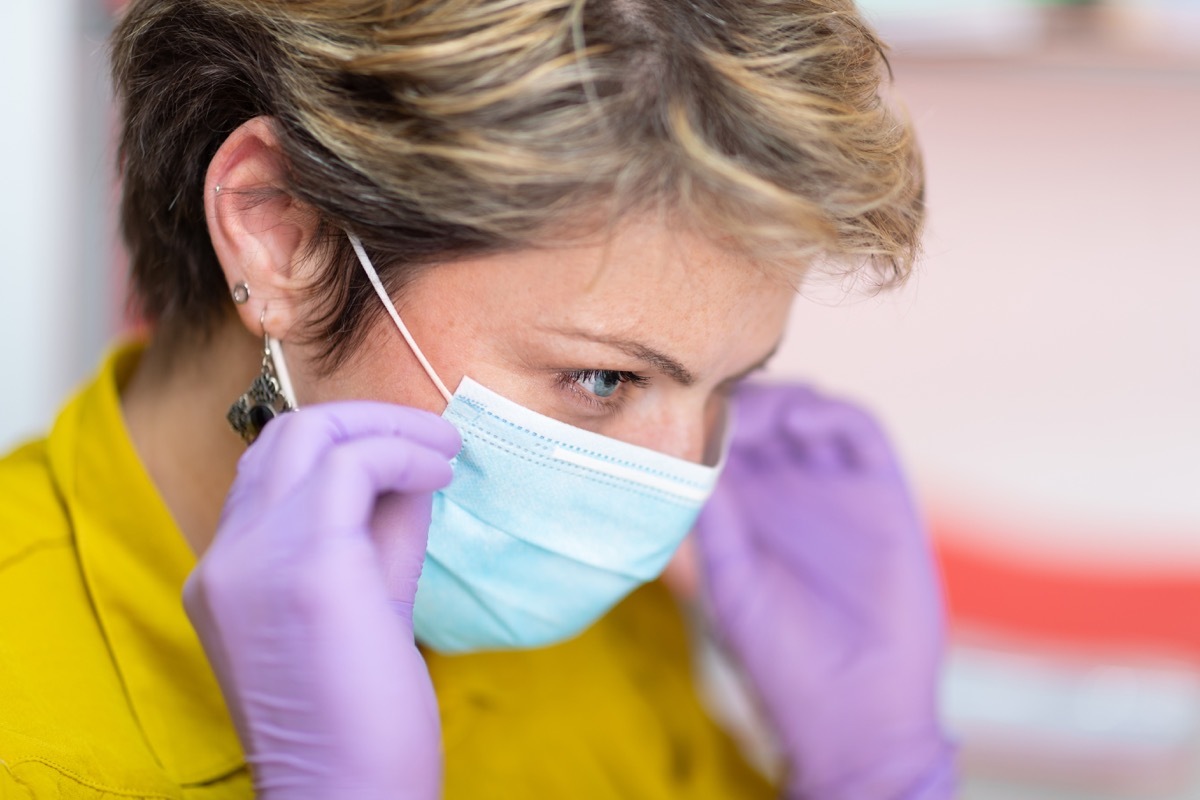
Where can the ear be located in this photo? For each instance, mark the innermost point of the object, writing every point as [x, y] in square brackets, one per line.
[259, 232]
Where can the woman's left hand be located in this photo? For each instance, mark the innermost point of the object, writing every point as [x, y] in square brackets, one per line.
[821, 582]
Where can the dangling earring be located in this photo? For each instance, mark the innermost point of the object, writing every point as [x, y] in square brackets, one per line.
[263, 401]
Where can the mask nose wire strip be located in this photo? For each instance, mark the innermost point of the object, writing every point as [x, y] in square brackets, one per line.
[387, 302]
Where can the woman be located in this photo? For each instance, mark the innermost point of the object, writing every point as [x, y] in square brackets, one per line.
[491, 270]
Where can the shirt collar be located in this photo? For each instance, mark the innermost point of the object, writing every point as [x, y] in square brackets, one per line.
[135, 560]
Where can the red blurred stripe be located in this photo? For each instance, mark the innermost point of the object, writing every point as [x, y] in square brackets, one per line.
[1088, 607]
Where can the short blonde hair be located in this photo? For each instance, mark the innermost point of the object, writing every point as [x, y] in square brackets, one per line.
[441, 128]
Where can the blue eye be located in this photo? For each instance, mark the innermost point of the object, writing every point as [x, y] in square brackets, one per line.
[600, 386]
[601, 382]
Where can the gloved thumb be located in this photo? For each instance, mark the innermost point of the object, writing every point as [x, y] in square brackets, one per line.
[400, 533]
[728, 561]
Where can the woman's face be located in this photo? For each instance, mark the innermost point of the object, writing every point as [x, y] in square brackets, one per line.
[639, 337]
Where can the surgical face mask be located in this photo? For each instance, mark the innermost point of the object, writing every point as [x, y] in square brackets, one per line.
[545, 526]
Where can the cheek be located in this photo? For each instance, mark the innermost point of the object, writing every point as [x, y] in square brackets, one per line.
[679, 428]
[382, 369]
[684, 422]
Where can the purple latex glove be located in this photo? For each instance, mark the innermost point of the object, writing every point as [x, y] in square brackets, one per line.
[304, 602]
[821, 582]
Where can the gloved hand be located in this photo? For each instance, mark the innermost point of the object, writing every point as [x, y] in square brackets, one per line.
[821, 583]
[304, 602]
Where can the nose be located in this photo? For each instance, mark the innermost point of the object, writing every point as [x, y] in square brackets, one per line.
[716, 429]
[695, 435]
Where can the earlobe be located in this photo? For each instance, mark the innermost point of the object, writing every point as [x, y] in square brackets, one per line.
[259, 232]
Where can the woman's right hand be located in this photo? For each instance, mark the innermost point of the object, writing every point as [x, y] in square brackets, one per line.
[304, 602]
[822, 583]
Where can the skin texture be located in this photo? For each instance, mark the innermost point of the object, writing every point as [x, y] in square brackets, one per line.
[514, 322]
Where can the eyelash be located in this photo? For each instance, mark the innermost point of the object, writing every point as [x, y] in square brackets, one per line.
[570, 380]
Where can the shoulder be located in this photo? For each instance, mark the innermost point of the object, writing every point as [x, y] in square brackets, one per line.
[32, 514]
[66, 729]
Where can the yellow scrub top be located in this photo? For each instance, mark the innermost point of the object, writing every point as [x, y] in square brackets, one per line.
[105, 691]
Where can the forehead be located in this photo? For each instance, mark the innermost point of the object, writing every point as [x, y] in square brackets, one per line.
[639, 273]
[674, 291]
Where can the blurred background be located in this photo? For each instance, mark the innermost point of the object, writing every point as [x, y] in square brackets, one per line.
[1041, 372]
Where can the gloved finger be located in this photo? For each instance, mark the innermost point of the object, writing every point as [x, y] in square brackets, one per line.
[860, 440]
[291, 445]
[815, 439]
[342, 489]
[396, 523]
[199, 610]
[759, 408]
[729, 559]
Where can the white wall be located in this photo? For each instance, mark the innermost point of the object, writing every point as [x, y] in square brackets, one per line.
[37, 216]
[56, 299]
[1042, 372]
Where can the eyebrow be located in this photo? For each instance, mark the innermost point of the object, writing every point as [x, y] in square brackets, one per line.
[660, 360]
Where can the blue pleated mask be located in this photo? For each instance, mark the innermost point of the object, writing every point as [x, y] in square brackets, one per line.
[545, 526]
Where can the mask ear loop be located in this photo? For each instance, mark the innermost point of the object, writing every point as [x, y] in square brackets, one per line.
[373, 276]
[281, 371]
